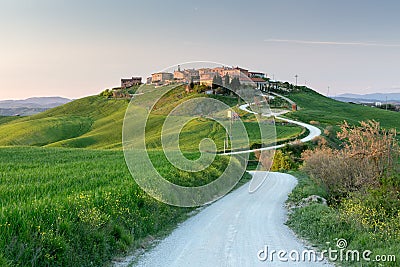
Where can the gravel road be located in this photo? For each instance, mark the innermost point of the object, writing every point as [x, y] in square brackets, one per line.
[232, 231]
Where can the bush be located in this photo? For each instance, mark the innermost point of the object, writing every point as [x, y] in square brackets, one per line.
[295, 150]
[274, 162]
[281, 162]
[107, 93]
[368, 153]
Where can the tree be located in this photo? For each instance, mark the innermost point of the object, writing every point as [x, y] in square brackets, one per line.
[216, 82]
[191, 85]
[281, 162]
[227, 80]
[107, 93]
[235, 84]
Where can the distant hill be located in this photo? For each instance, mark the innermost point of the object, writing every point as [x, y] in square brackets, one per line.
[375, 97]
[30, 106]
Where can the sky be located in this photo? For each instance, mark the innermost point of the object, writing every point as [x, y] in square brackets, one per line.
[77, 48]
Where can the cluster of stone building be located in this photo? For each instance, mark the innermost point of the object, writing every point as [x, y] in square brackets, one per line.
[204, 76]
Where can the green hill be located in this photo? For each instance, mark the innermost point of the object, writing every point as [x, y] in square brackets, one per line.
[93, 122]
[96, 122]
[327, 111]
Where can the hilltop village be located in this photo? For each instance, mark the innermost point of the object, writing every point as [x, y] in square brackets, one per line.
[213, 81]
[204, 77]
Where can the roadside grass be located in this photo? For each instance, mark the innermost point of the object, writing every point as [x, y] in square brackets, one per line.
[323, 226]
[305, 187]
[79, 207]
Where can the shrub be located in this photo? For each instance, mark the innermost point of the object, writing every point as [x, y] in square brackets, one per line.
[295, 150]
[329, 131]
[368, 153]
[278, 161]
[107, 93]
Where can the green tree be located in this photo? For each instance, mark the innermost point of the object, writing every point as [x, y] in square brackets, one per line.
[107, 93]
[227, 80]
[216, 82]
[235, 84]
[191, 85]
[281, 162]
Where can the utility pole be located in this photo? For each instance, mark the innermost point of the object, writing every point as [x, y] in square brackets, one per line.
[328, 92]
[296, 76]
[386, 103]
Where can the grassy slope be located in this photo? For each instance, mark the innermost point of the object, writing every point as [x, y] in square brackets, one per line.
[96, 122]
[93, 122]
[331, 112]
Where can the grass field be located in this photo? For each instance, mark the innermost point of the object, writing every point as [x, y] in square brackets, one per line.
[79, 207]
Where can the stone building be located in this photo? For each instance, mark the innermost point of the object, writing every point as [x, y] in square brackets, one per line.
[187, 75]
[161, 78]
[125, 83]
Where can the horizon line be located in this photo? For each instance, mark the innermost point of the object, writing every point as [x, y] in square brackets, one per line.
[356, 43]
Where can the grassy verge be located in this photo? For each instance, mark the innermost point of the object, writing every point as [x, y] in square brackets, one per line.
[323, 226]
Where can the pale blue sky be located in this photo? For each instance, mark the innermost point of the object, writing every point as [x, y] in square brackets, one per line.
[78, 48]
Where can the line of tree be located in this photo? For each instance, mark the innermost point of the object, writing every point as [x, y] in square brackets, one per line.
[222, 87]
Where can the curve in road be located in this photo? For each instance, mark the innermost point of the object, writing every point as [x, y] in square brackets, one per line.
[313, 131]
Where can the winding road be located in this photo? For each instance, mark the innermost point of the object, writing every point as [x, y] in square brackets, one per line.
[312, 130]
[237, 229]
